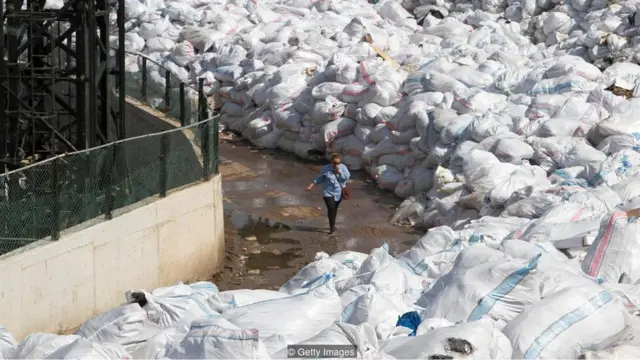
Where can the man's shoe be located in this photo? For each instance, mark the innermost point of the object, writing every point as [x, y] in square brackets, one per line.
[333, 231]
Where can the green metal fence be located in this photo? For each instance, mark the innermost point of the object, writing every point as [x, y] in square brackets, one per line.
[78, 189]
[153, 84]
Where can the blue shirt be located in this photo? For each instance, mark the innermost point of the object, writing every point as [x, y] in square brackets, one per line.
[333, 184]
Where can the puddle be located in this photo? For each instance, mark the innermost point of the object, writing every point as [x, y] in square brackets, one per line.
[278, 240]
[262, 229]
[271, 261]
[246, 222]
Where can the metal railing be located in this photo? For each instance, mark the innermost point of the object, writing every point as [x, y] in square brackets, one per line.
[79, 189]
[154, 85]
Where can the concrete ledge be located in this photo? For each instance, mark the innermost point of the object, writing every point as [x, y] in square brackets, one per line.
[56, 285]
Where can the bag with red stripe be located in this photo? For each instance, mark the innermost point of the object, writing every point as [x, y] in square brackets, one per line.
[616, 250]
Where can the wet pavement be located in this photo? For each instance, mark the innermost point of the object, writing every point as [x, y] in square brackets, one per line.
[274, 227]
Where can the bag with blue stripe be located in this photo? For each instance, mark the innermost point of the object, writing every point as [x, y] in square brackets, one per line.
[624, 345]
[217, 338]
[165, 306]
[243, 297]
[483, 282]
[315, 270]
[127, 326]
[554, 268]
[434, 253]
[480, 340]
[564, 324]
[615, 250]
[363, 304]
[362, 337]
[388, 275]
[297, 317]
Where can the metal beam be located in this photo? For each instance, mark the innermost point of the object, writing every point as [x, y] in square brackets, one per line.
[55, 91]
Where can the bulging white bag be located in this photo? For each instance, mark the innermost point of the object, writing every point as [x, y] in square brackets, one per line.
[183, 53]
[483, 282]
[314, 271]
[165, 306]
[434, 253]
[259, 126]
[8, 344]
[126, 325]
[85, 349]
[616, 249]
[361, 337]
[327, 110]
[286, 92]
[376, 309]
[350, 259]
[215, 338]
[474, 340]
[386, 176]
[306, 313]
[387, 275]
[243, 297]
[338, 128]
[478, 101]
[41, 345]
[559, 326]
[156, 346]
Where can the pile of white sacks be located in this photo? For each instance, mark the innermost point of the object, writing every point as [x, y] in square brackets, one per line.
[495, 125]
[477, 293]
[472, 108]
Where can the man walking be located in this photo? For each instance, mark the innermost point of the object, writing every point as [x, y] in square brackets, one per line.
[333, 178]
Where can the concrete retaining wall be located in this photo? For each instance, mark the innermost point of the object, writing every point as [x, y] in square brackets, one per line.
[56, 286]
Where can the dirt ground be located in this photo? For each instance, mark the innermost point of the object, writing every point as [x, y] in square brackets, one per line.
[273, 227]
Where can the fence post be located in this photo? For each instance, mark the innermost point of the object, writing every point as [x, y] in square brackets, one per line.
[109, 193]
[216, 144]
[202, 101]
[206, 153]
[167, 91]
[205, 129]
[55, 232]
[164, 171]
[144, 80]
[183, 110]
[117, 82]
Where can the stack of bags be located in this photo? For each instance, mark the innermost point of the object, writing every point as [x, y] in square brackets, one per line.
[482, 292]
[299, 76]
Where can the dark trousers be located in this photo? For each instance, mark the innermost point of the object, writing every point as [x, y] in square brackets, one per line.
[332, 210]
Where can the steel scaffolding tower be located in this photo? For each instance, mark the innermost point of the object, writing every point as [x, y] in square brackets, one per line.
[56, 94]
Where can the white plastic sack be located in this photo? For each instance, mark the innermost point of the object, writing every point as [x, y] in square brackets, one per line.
[361, 337]
[307, 313]
[434, 253]
[483, 282]
[8, 344]
[337, 128]
[387, 275]
[615, 250]
[215, 338]
[314, 272]
[386, 176]
[127, 326]
[474, 340]
[165, 306]
[376, 309]
[85, 349]
[41, 345]
[183, 53]
[243, 297]
[156, 346]
[559, 326]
